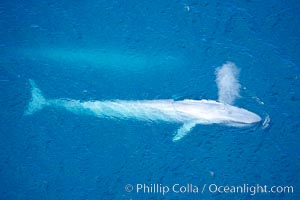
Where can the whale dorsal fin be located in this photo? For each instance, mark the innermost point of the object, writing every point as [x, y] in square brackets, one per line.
[184, 130]
[228, 83]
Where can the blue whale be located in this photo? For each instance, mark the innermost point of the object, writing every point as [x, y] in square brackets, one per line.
[187, 112]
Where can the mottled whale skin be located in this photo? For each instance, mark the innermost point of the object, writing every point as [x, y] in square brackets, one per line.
[187, 112]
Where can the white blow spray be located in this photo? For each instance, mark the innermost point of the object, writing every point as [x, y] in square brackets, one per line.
[228, 83]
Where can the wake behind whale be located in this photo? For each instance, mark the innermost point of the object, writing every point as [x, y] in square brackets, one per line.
[188, 112]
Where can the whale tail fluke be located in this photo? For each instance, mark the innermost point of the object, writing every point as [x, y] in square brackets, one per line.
[37, 101]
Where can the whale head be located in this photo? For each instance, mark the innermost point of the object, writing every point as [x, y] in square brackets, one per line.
[242, 117]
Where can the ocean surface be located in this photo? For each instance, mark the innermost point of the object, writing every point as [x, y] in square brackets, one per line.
[147, 50]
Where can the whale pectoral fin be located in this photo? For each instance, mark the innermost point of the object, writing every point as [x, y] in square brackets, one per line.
[183, 130]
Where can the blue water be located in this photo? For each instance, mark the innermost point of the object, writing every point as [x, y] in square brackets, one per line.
[148, 50]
